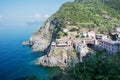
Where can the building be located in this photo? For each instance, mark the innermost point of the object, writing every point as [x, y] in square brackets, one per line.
[101, 37]
[111, 46]
[118, 37]
[65, 30]
[62, 45]
[91, 34]
[118, 29]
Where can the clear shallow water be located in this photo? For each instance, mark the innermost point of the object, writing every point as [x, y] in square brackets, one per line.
[16, 61]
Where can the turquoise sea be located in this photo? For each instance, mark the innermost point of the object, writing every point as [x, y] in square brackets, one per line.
[17, 61]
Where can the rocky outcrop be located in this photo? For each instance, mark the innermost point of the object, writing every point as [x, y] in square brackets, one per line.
[41, 40]
[39, 43]
[27, 43]
[60, 57]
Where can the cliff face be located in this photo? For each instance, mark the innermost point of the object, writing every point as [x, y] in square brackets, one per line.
[60, 57]
[40, 39]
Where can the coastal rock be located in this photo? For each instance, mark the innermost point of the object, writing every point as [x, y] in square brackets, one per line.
[39, 44]
[59, 57]
[26, 43]
[41, 38]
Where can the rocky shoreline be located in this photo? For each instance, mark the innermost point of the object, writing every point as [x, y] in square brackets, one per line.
[60, 54]
[61, 57]
[58, 57]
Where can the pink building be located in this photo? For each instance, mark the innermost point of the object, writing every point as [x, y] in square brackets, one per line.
[110, 46]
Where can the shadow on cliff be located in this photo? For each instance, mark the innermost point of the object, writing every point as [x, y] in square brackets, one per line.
[47, 50]
[57, 25]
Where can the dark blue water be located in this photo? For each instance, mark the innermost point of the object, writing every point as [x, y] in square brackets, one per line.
[16, 61]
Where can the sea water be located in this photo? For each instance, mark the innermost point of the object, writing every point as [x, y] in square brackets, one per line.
[17, 61]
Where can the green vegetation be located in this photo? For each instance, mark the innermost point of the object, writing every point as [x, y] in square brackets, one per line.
[73, 29]
[77, 36]
[57, 42]
[101, 15]
[65, 34]
[98, 15]
[61, 34]
[97, 68]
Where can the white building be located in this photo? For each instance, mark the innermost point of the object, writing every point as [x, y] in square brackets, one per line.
[91, 34]
[65, 30]
[118, 29]
[118, 37]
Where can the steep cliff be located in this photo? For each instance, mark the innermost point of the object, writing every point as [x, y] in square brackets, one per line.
[41, 38]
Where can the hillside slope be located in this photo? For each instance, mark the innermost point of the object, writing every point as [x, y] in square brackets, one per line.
[98, 15]
[101, 15]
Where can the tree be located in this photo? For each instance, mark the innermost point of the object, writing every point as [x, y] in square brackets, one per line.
[98, 68]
